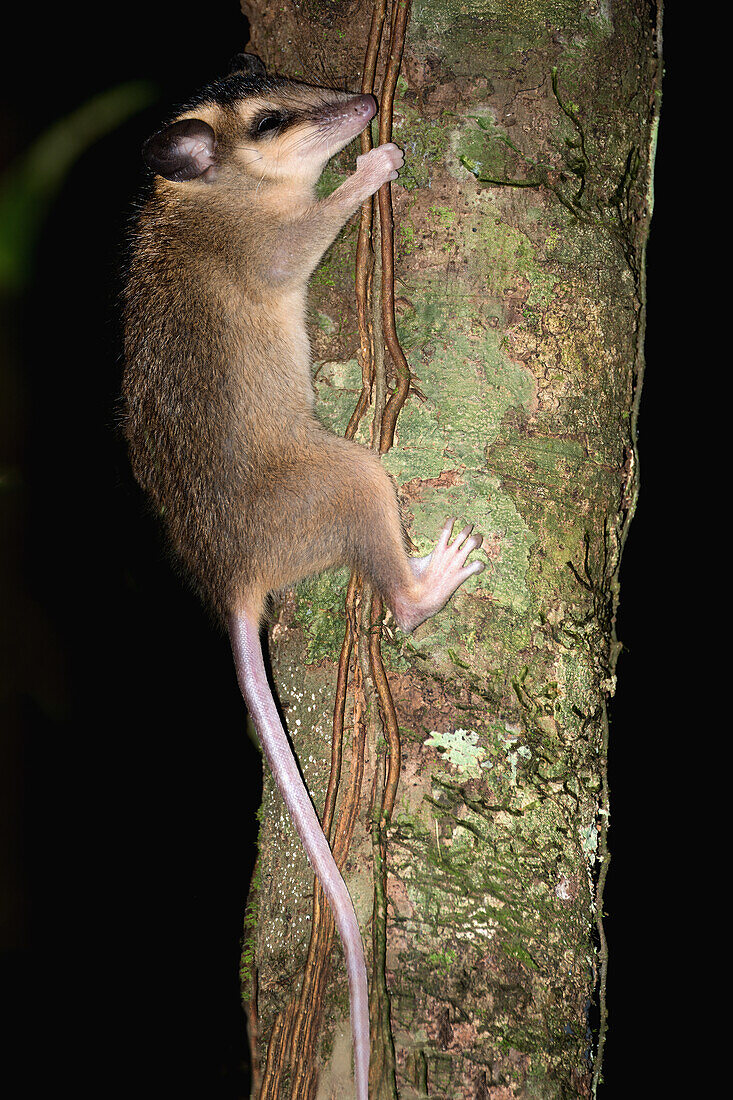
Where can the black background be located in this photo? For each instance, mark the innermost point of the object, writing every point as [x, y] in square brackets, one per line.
[132, 785]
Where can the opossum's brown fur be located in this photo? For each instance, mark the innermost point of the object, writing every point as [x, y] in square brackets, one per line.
[219, 402]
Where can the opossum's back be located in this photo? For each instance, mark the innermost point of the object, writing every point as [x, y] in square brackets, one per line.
[184, 434]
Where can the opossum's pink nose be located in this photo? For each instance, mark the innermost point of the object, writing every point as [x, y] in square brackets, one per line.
[366, 106]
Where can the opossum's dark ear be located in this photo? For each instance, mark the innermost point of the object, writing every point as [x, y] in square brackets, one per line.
[248, 64]
[181, 151]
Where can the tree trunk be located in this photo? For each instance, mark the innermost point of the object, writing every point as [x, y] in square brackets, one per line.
[520, 221]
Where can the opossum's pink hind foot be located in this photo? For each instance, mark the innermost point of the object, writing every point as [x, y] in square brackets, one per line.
[437, 576]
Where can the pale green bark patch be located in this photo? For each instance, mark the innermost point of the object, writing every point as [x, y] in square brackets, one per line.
[461, 748]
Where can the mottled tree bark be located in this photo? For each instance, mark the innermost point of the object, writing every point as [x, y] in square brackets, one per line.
[521, 218]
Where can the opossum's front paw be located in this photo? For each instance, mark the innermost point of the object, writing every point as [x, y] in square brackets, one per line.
[378, 166]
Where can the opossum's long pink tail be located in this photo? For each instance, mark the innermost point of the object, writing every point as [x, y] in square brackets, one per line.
[245, 640]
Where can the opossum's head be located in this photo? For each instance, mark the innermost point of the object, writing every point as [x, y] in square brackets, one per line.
[248, 127]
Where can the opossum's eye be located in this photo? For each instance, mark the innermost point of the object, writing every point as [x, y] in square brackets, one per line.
[266, 123]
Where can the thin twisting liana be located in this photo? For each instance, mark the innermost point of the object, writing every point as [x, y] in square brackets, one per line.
[254, 492]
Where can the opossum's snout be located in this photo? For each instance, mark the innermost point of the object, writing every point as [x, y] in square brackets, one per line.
[365, 106]
[357, 108]
[343, 120]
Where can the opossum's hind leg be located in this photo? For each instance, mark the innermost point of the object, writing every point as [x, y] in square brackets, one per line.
[437, 576]
[415, 588]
